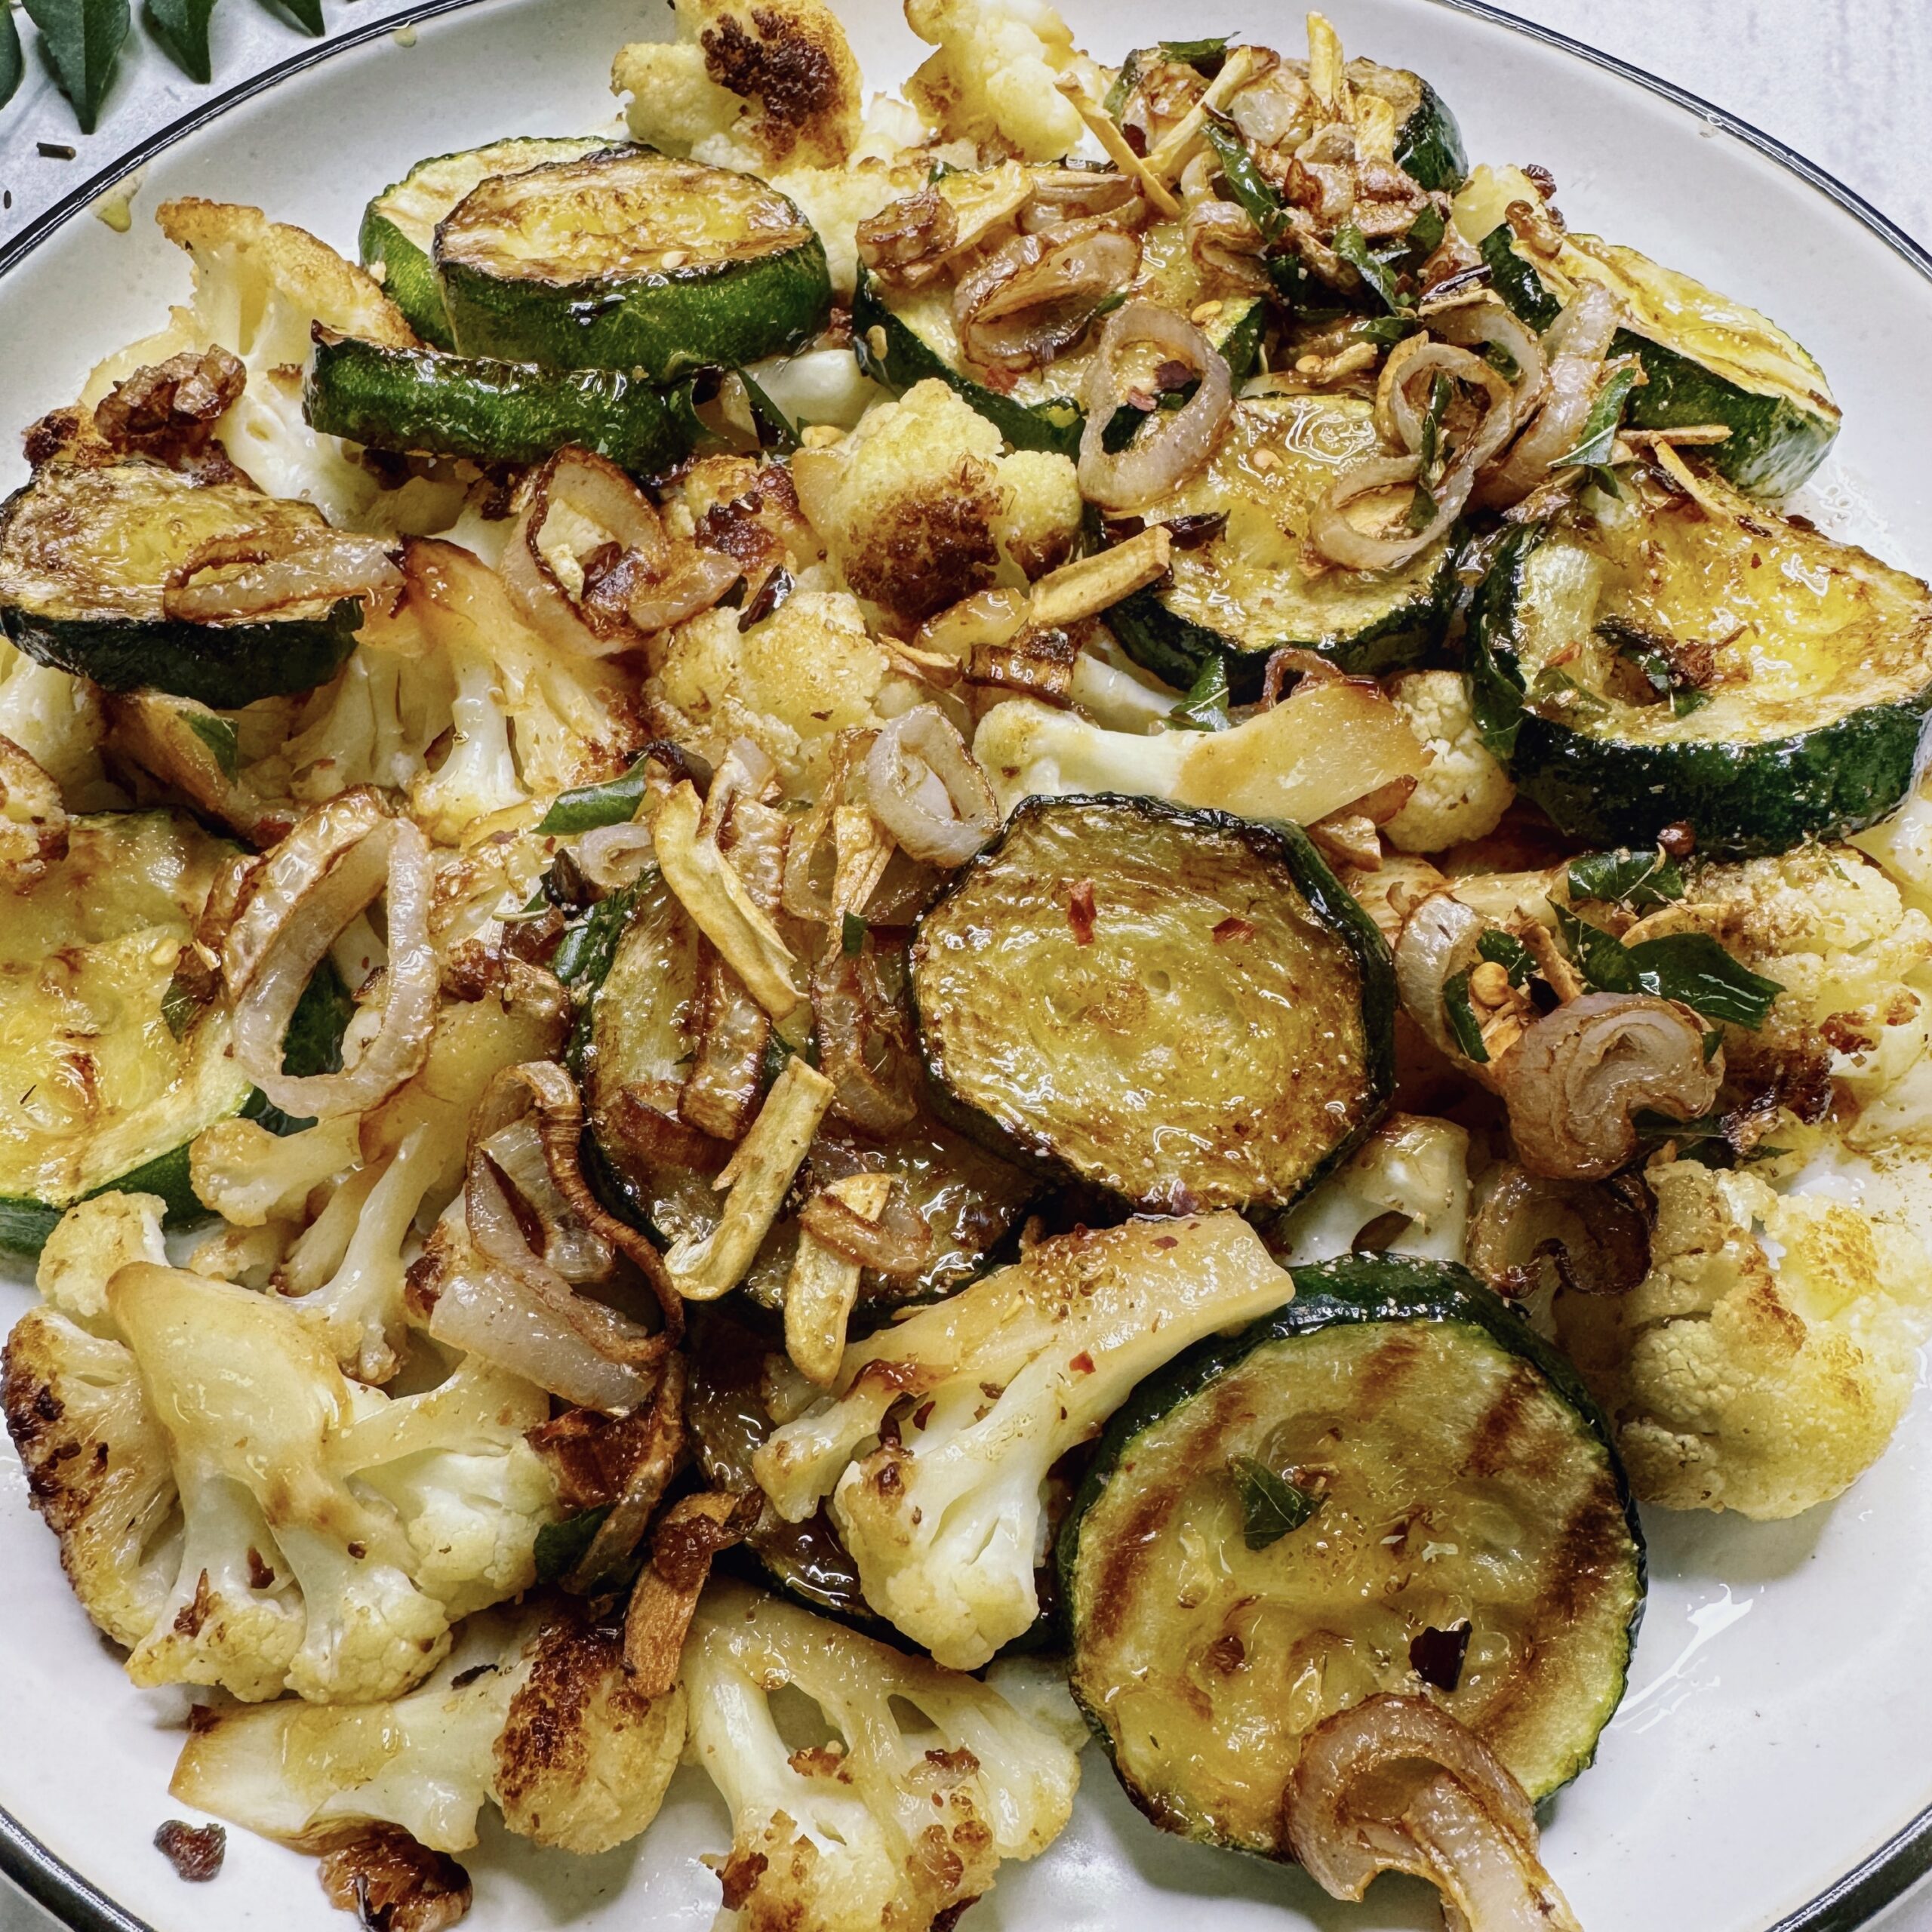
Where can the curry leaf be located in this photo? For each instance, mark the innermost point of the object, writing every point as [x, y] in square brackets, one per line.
[561, 1546]
[775, 432]
[1461, 1013]
[1520, 288]
[82, 37]
[1353, 246]
[1205, 706]
[1691, 967]
[13, 64]
[1640, 880]
[1271, 1506]
[613, 802]
[182, 28]
[308, 13]
[851, 935]
[1600, 427]
[1207, 57]
[1506, 950]
[218, 734]
[313, 1042]
[1246, 183]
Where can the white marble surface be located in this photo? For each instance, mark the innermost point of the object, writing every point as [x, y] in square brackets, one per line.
[1844, 81]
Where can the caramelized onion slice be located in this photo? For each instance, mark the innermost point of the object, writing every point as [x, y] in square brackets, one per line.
[923, 786]
[575, 504]
[1395, 1784]
[1035, 296]
[863, 1050]
[1335, 534]
[1595, 1235]
[1174, 444]
[333, 863]
[1438, 940]
[1576, 1080]
[324, 568]
[1576, 343]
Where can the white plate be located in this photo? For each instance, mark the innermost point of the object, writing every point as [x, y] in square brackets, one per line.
[1770, 1767]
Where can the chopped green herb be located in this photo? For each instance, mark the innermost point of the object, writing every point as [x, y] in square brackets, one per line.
[1205, 706]
[1246, 183]
[1353, 246]
[775, 430]
[561, 1546]
[1640, 880]
[1499, 359]
[852, 935]
[1506, 950]
[613, 802]
[1520, 288]
[1271, 1507]
[1115, 106]
[589, 943]
[313, 1042]
[1423, 507]
[1461, 1013]
[1207, 57]
[1691, 967]
[219, 735]
[1384, 331]
[1688, 698]
[181, 1007]
[1122, 426]
[1430, 447]
[1600, 427]
[1555, 689]
[1425, 233]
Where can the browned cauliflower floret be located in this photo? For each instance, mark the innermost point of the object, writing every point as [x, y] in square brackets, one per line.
[766, 85]
[929, 1780]
[547, 1724]
[992, 80]
[1737, 1382]
[918, 508]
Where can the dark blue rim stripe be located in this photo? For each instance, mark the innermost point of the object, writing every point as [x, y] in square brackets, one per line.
[1862, 1893]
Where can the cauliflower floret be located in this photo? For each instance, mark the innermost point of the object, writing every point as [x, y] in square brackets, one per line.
[790, 683]
[250, 1177]
[994, 75]
[1734, 1382]
[927, 1780]
[546, 1723]
[1411, 1175]
[946, 1523]
[97, 1468]
[1463, 793]
[56, 720]
[92, 1240]
[329, 1535]
[750, 86]
[919, 509]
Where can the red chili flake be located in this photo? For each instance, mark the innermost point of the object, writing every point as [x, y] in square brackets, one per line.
[922, 1415]
[1082, 1364]
[1436, 1656]
[1165, 1241]
[196, 1851]
[1232, 927]
[1080, 912]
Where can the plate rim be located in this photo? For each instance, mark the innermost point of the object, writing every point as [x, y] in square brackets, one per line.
[1879, 1880]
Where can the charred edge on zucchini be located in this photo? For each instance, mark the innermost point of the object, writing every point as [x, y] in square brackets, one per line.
[1808, 706]
[85, 554]
[1461, 1472]
[630, 259]
[1182, 1007]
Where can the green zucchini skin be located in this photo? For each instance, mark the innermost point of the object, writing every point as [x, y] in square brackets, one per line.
[1773, 445]
[1429, 146]
[1037, 1143]
[1176, 648]
[403, 265]
[1055, 426]
[226, 665]
[419, 400]
[1744, 801]
[1386, 1290]
[100, 616]
[659, 323]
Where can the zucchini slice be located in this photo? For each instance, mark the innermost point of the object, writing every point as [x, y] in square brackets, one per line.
[85, 554]
[95, 1089]
[1247, 592]
[1183, 1007]
[1461, 1480]
[399, 225]
[418, 400]
[1429, 144]
[1706, 359]
[1656, 663]
[639, 1044]
[905, 338]
[627, 259]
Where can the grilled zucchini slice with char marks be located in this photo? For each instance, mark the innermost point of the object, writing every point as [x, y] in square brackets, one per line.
[645, 1020]
[420, 401]
[1247, 591]
[906, 337]
[1391, 1485]
[1183, 1008]
[1655, 663]
[628, 259]
[86, 554]
[95, 1089]
[1705, 358]
[399, 226]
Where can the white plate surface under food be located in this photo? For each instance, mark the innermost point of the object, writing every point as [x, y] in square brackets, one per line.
[1771, 1763]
